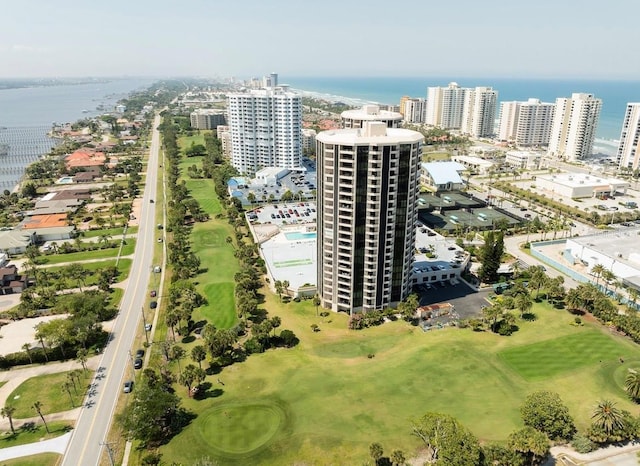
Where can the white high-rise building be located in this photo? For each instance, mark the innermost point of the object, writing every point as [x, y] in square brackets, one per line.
[445, 106]
[266, 129]
[526, 123]
[628, 155]
[479, 112]
[575, 121]
[535, 120]
[414, 110]
[367, 210]
[508, 120]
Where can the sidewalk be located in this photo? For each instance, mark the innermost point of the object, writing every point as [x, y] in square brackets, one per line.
[612, 455]
[54, 445]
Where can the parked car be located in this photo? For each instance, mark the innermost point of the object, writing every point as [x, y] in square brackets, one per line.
[137, 363]
[139, 353]
[128, 386]
[147, 327]
[153, 304]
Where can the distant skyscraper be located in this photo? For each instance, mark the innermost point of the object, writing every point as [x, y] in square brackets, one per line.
[628, 155]
[575, 121]
[445, 106]
[367, 210]
[526, 123]
[479, 112]
[266, 129]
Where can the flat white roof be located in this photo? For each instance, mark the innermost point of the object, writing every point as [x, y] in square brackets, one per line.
[575, 180]
[357, 136]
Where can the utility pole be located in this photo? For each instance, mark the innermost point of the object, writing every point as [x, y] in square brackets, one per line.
[109, 450]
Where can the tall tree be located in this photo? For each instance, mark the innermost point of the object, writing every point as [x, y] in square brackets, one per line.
[632, 384]
[446, 440]
[198, 354]
[7, 411]
[607, 417]
[38, 407]
[544, 411]
[376, 452]
[532, 444]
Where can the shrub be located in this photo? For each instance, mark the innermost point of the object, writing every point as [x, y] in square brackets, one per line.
[583, 444]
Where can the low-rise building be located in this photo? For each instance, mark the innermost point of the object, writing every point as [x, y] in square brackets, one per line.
[580, 185]
[474, 164]
[525, 160]
[442, 176]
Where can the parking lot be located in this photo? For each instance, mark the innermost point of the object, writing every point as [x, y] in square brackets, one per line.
[467, 301]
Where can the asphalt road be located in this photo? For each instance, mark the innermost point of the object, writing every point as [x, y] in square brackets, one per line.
[87, 442]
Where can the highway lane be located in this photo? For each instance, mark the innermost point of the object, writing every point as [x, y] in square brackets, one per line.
[90, 434]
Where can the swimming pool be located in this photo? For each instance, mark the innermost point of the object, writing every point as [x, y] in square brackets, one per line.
[296, 235]
[65, 180]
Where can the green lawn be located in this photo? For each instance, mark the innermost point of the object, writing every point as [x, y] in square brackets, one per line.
[209, 243]
[325, 401]
[43, 459]
[196, 138]
[33, 433]
[124, 266]
[48, 390]
[127, 250]
[113, 232]
[560, 355]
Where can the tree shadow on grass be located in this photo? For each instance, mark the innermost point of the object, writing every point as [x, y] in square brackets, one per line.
[206, 390]
[188, 339]
[529, 316]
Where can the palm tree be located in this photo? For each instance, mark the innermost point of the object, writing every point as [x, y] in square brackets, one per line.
[376, 452]
[81, 357]
[66, 386]
[633, 297]
[632, 384]
[597, 270]
[397, 458]
[38, 407]
[7, 411]
[607, 278]
[316, 303]
[538, 278]
[27, 348]
[607, 417]
[279, 288]
[524, 303]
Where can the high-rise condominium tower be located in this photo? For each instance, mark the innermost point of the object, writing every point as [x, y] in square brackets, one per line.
[266, 129]
[575, 121]
[628, 154]
[526, 123]
[367, 193]
[445, 106]
[479, 112]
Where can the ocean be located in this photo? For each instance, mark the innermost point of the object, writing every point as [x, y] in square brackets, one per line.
[353, 90]
[26, 115]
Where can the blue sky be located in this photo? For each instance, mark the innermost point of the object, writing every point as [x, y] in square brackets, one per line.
[243, 38]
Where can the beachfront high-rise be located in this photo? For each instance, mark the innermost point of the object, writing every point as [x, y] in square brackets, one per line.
[367, 210]
[470, 110]
[628, 155]
[479, 112]
[445, 106]
[575, 121]
[526, 123]
[266, 129]
[414, 110]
